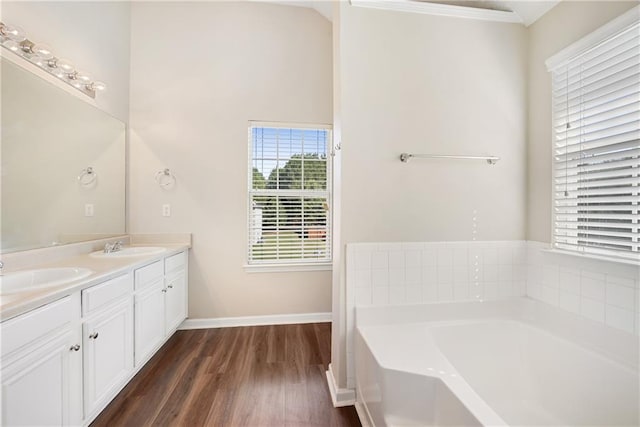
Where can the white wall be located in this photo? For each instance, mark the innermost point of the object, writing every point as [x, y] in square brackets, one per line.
[92, 35]
[427, 84]
[566, 23]
[195, 84]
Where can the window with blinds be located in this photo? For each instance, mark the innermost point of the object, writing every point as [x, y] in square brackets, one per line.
[289, 198]
[596, 147]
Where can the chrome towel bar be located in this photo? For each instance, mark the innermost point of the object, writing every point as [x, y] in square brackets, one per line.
[404, 157]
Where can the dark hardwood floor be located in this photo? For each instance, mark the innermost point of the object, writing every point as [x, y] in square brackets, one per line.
[250, 376]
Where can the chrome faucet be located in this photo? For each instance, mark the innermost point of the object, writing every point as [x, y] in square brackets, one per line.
[112, 247]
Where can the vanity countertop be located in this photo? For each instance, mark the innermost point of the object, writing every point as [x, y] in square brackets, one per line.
[14, 304]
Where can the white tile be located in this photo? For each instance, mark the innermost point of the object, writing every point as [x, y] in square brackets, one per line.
[570, 302]
[379, 260]
[445, 292]
[550, 276]
[363, 260]
[490, 256]
[490, 273]
[429, 257]
[534, 290]
[569, 282]
[460, 256]
[396, 277]
[413, 276]
[414, 294]
[621, 296]
[445, 274]
[445, 256]
[396, 260]
[363, 296]
[520, 288]
[505, 273]
[592, 286]
[620, 318]
[505, 289]
[550, 295]
[413, 259]
[623, 281]
[460, 275]
[475, 255]
[412, 246]
[490, 290]
[592, 309]
[380, 277]
[381, 295]
[505, 256]
[461, 292]
[363, 278]
[520, 272]
[476, 291]
[520, 255]
[429, 275]
[390, 247]
[397, 295]
[430, 293]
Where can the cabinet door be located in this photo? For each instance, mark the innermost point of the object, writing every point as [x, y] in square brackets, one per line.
[108, 354]
[149, 320]
[176, 300]
[37, 384]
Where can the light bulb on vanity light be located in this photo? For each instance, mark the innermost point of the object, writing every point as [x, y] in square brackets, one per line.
[42, 51]
[97, 86]
[12, 33]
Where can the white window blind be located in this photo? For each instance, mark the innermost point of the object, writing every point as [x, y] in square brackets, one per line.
[596, 151]
[289, 198]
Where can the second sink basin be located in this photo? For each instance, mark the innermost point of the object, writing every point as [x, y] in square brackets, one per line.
[130, 251]
[28, 280]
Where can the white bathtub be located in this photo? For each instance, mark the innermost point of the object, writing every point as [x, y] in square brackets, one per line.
[517, 362]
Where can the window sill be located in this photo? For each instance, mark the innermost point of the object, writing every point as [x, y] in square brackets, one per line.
[592, 256]
[286, 268]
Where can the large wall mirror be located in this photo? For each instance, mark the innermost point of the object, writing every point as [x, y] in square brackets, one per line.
[63, 165]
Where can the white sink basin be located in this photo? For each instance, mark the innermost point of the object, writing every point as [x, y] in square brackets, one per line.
[28, 280]
[130, 251]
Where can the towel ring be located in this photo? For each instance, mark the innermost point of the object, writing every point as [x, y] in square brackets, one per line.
[165, 178]
[87, 176]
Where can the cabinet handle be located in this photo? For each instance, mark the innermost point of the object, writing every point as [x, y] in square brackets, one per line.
[94, 336]
[75, 347]
[164, 290]
[170, 286]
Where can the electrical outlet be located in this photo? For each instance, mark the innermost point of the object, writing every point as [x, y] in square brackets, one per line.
[88, 210]
[166, 210]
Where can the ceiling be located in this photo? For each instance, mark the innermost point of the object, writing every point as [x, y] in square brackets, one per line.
[528, 10]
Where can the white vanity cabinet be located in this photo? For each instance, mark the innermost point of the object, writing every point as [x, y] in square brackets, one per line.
[149, 310]
[42, 367]
[62, 363]
[176, 291]
[107, 336]
[160, 303]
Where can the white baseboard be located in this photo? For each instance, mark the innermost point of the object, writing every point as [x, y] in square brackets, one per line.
[339, 396]
[362, 414]
[278, 319]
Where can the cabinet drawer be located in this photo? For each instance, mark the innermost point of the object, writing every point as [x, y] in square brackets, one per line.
[100, 295]
[175, 262]
[36, 324]
[148, 274]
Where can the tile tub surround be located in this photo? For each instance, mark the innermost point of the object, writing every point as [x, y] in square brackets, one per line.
[381, 274]
[599, 290]
[391, 274]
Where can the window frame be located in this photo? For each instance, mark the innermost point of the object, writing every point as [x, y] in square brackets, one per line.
[563, 58]
[299, 264]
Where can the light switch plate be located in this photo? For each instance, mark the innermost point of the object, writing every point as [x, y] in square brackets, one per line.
[166, 210]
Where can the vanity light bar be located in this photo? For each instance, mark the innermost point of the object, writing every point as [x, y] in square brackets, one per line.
[14, 39]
